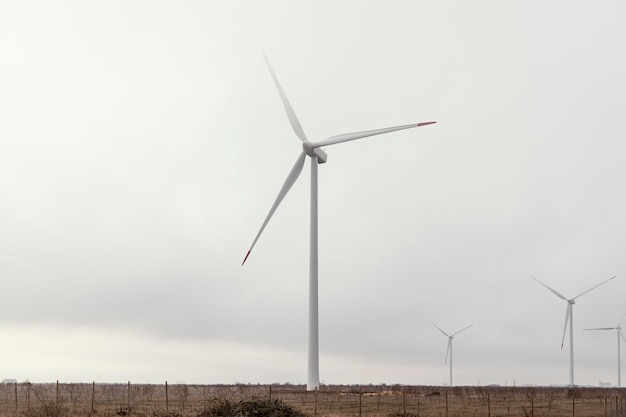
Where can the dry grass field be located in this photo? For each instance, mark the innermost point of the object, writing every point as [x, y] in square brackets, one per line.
[183, 400]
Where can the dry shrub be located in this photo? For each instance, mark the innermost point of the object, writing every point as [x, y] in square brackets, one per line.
[46, 409]
[251, 408]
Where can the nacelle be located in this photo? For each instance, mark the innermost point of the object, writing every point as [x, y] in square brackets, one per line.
[311, 151]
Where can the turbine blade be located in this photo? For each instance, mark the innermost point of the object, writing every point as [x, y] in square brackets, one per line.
[595, 286]
[465, 328]
[567, 313]
[558, 294]
[448, 351]
[291, 179]
[622, 334]
[293, 119]
[345, 137]
[602, 328]
[445, 334]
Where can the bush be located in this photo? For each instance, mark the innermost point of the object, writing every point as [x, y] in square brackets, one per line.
[251, 408]
[46, 410]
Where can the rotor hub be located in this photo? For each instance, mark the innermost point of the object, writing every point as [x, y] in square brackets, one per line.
[312, 151]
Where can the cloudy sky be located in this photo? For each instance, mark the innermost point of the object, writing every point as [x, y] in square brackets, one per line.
[143, 142]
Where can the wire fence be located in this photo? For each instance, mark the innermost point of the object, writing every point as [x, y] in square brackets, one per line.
[185, 400]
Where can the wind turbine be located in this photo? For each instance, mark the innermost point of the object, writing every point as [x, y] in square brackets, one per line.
[318, 156]
[569, 317]
[449, 349]
[619, 360]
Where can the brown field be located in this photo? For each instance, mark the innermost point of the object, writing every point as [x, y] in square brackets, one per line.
[184, 400]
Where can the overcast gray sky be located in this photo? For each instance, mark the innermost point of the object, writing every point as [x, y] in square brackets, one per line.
[143, 142]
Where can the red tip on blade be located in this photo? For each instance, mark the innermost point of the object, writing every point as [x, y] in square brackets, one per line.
[425, 123]
[244, 259]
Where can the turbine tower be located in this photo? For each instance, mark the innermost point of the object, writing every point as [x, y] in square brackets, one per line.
[318, 156]
[569, 317]
[618, 328]
[449, 349]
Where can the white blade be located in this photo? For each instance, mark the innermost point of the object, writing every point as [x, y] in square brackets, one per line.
[358, 135]
[595, 286]
[291, 179]
[465, 328]
[602, 328]
[293, 119]
[448, 351]
[567, 313]
[622, 334]
[445, 334]
[558, 294]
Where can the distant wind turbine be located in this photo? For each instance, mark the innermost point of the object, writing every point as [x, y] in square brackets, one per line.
[449, 349]
[618, 328]
[569, 317]
[318, 156]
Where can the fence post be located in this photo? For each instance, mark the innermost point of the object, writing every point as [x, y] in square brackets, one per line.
[573, 404]
[446, 403]
[403, 403]
[16, 396]
[532, 405]
[418, 404]
[57, 403]
[488, 405]
[93, 395]
[270, 393]
[360, 399]
[129, 396]
[167, 400]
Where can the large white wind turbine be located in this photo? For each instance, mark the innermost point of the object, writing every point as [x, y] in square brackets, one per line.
[618, 328]
[318, 156]
[569, 317]
[449, 349]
